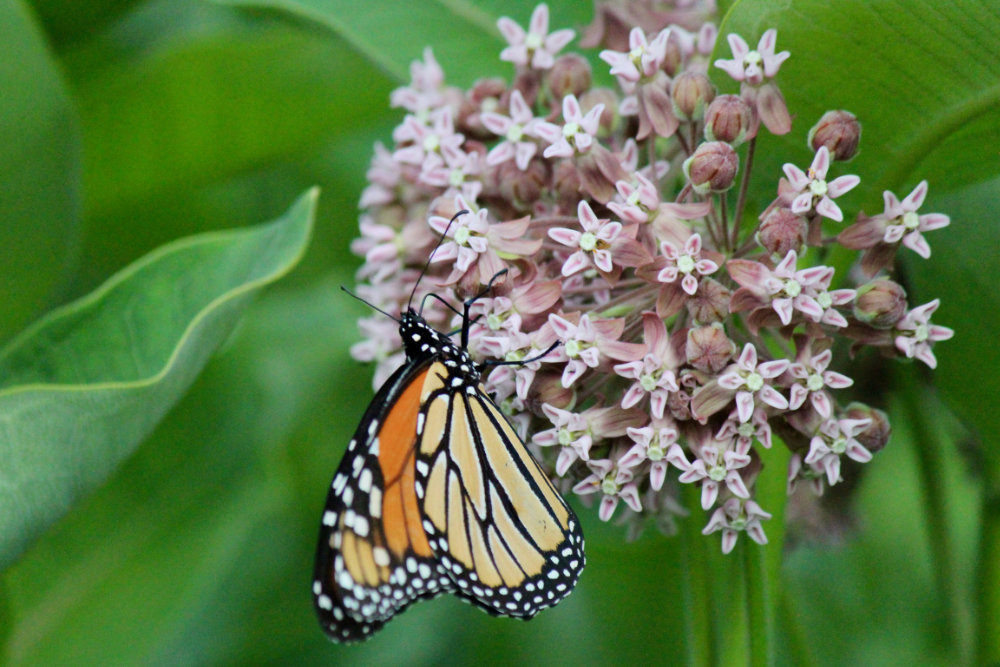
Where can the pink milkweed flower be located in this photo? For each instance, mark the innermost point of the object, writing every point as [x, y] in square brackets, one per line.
[575, 432]
[813, 191]
[516, 130]
[753, 66]
[756, 71]
[810, 380]
[642, 60]
[615, 481]
[651, 445]
[786, 289]
[424, 91]
[537, 46]
[592, 245]
[577, 133]
[915, 335]
[640, 198]
[717, 464]
[745, 432]
[421, 139]
[588, 341]
[734, 517]
[904, 225]
[454, 170]
[654, 373]
[686, 262]
[835, 438]
[750, 381]
[474, 242]
[384, 176]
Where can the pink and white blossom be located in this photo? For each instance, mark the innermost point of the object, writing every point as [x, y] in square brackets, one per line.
[576, 135]
[916, 335]
[814, 193]
[537, 47]
[753, 66]
[906, 226]
[738, 516]
[592, 246]
[752, 382]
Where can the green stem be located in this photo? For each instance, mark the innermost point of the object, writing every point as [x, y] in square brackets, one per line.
[744, 186]
[928, 444]
[760, 612]
[702, 619]
[987, 585]
[797, 648]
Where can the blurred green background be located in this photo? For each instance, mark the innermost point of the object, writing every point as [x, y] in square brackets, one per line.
[127, 124]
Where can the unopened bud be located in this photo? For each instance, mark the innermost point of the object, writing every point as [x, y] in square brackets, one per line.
[547, 388]
[728, 118]
[712, 167]
[781, 231]
[880, 304]
[691, 92]
[839, 131]
[522, 187]
[710, 303]
[875, 437]
[708, 348]
[566, 182]
[570, 75]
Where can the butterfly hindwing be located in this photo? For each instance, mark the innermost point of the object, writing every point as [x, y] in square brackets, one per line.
[373, 558]
[502, 532]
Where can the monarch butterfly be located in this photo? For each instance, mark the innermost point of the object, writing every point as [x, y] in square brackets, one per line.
[436, 493]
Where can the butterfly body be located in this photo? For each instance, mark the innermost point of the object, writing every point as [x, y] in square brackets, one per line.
[436, 493]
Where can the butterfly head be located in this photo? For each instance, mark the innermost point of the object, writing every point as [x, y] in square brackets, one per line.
[421, 340]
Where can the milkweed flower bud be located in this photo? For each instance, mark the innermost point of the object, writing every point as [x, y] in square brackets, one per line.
[729, 119]
[570, 75]
[880, 304]
[876, 435]
[712, 167]
[782, 231]
[691, 93]
[839, 131]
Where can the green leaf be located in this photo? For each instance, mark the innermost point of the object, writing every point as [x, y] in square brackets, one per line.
[40, 167]
[464, 35]
[81, 388]
[180, 94]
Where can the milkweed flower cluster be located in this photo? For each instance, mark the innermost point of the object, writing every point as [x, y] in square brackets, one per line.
[690, 334]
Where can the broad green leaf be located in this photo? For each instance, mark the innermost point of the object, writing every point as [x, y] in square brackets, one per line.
[68, 20]
[463, 33]
[180, 94]
[39, 170]
[203, 528]
[81, 388]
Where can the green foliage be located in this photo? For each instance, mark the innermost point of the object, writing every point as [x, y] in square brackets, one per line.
[187, 533]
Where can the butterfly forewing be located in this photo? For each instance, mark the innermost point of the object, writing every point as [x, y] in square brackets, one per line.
[373, 557]
[437, 493]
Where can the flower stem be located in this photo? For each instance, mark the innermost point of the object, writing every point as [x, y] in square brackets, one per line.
[703, 619]
[928, 440]
[987, 585]
[744, 186]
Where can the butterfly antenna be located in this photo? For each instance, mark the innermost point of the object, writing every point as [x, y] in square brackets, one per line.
[423, 271]
[369, 304]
